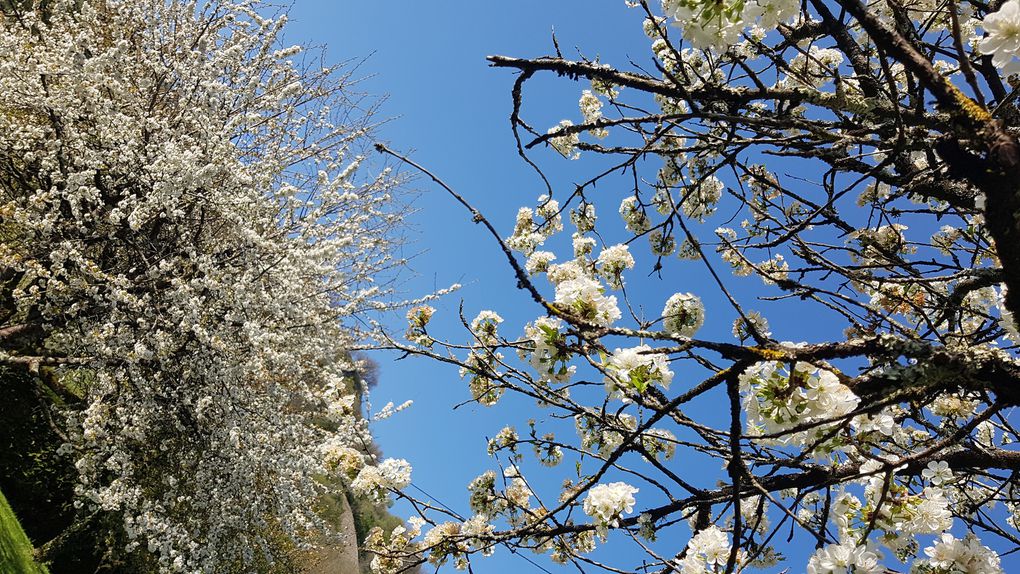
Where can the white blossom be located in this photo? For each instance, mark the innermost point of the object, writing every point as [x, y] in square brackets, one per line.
[591, 109]
[844, 558]
[742, 326]
[1002, 41]
[683, 314]
[612, 262]
[963, 556]
[776, 401]
[392, 473]
[566, 144]
[938, 473]
[539, 261]
[634, 215]
[607, 503]
[636, 368]
[584, 298]
[549, 356]
[709, 546]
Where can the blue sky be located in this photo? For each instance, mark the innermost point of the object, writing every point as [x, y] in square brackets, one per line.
[449, 111]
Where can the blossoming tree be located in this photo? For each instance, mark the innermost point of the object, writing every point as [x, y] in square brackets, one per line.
[861, 160]
[188, 253]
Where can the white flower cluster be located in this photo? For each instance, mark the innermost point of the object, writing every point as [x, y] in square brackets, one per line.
[376, 481]
[719, 24]
[483, 498]
[583, 246]
[959, 556]
[882, 423]
[549, 356]
[539, 261]
[417, 322]
[881, 244]
[444, 541]
[1006, 319]
[548, 452]
[754, 513]
[559, 273]
[485, 326]
[636, 368]
[506, 438]
[708, 549]
[700, 199]
[481, 368]
[1002, 40]
[534, 226]
[344, 459]
[742, 327]
[390, 409]
[661, 244]
[659, 441]
[738, 263]
[634, 215]
[526, 236]
[585, 299]
[938, 473]
[612, 262]
[889, 507]
[774, 269]
[566, 143]
[777, 401]
[814, 68]
[955, 405]
[591, 109]
[683, 315]
[845, 558]
[607, 503]
[390, 555]
[583, 217]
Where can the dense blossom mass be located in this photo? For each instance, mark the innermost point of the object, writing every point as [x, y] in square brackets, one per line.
[607, 503]
[188, 233]
[774, 171]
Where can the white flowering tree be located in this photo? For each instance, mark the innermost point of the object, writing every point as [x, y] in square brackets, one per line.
[189, 250]
[861, 161]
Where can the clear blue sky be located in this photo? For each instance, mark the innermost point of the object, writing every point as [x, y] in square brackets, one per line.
[449, 111]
